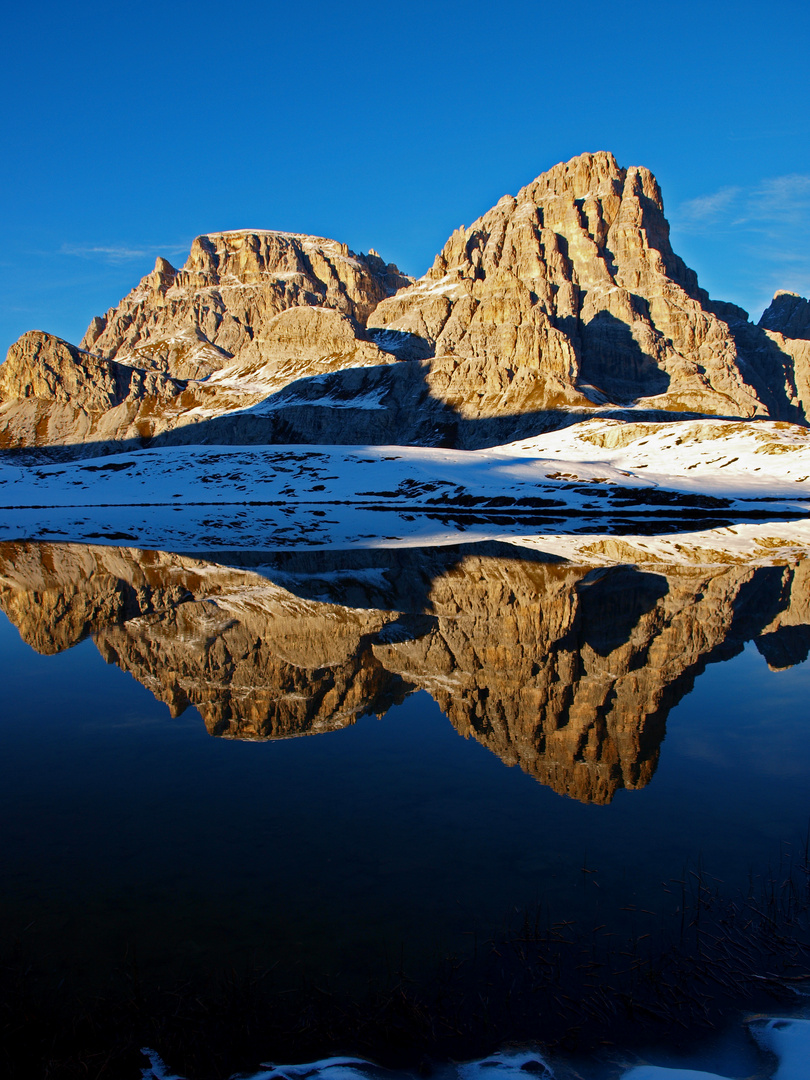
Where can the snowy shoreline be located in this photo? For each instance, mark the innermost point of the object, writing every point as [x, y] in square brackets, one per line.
[785, 1040]
[601, 477]
[723, 460]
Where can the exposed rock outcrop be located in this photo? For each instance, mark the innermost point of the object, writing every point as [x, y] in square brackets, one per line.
[46, 368]
[52, 393]
[231, 287]
[567, 671]
[574, 283]
[58, 393]
[561, 302]
[247, 314]
[788, 314]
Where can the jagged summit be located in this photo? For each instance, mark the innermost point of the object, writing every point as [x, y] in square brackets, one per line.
[234, 282]
[559, 301]
[788, 314]
[575, 278]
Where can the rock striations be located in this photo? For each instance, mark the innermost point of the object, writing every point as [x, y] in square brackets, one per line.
[573, 285]
[248, 313]
[192, 321]
[564, 301]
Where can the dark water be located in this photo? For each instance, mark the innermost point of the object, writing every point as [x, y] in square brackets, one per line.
[506, 736]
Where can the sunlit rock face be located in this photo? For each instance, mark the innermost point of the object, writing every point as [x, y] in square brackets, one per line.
[231, 287]
[567, 671]
[573, 285]
[560, 301]
[56, 393]
[247, 314]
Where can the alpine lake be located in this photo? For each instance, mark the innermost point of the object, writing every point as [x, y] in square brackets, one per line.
[406, 802]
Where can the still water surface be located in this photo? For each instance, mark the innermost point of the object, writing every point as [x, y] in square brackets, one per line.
[507, 735]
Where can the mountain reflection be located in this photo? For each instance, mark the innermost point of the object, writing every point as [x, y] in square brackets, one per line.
[565, 670]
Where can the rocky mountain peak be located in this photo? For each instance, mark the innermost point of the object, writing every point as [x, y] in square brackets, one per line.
[161, 279]
[566, 297]
[788, 314]
[231, 285]
[575, 280]
[588, 176]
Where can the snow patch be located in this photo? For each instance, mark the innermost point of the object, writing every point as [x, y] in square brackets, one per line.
[371, 400]
[787, 1039]
[720, 457]
[513, 1065]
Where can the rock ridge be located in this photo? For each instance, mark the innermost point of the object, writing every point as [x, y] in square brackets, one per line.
[558, 303]
[235, 282]
[788, 314]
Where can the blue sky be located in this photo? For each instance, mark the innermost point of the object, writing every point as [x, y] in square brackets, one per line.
[128, 129]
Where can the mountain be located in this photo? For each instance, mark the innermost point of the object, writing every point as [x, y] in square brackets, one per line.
[249, 312]
[563, 302]
[225, 299]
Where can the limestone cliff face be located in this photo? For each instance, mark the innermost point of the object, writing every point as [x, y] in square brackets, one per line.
[559, 302]
[567, 671]
[51, 392]
[573, 285]
[786, 325]
[249, 313]
[788, 314]
[230, 288]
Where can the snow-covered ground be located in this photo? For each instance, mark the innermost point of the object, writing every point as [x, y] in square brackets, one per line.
[721, 458]
[666, 485]
[366, 475]
[785, 1043]
[718, 457]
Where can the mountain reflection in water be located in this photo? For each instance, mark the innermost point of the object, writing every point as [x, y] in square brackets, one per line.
[566, 670]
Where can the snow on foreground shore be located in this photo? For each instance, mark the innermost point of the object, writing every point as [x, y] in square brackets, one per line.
[734, 479]
[717, 457]
[720, 458]
[785, 1040]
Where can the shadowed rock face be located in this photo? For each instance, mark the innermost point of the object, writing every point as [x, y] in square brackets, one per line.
[786, 324]
[560, 300]
[566, 671]
[788, 314]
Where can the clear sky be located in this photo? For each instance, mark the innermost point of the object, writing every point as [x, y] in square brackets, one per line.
[129, 128]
